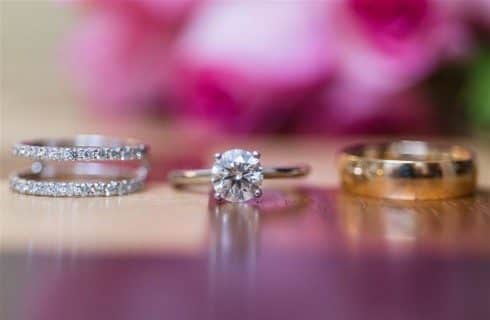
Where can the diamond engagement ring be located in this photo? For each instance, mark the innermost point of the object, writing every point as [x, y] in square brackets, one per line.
[75, 167]
[236, 175]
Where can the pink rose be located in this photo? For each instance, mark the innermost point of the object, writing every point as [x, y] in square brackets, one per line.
[389, 45]
[118, 63]
[120, 55]
[259, 66]
[245, 65]
[351, 110]
[255, 67]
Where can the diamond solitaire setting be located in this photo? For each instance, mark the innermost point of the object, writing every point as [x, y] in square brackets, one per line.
[237, 175]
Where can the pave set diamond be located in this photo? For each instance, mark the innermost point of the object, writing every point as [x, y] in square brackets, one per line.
[79, 153]
[237, 175]
[86, 181]
[75, 189]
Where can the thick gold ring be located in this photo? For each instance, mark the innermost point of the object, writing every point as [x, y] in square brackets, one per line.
[408, 170]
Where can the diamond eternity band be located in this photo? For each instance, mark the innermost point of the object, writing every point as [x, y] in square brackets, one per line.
[75, 167]
[75, 189]
[81, 148]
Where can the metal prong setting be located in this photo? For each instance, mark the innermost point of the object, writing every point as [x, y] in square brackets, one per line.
[217, 196]
[229, 173]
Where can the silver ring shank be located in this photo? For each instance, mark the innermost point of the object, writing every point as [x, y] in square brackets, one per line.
[79, 180]
[202, 176]
[82, 148]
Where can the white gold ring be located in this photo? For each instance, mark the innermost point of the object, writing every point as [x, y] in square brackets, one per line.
[236, 175]
[75, 168]
[81, 148]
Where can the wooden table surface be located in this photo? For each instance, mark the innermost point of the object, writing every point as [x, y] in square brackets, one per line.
[160, 218]
[306, 250]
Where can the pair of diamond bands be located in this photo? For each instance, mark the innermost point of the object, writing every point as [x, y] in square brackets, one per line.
[236, 175]
[86, 166]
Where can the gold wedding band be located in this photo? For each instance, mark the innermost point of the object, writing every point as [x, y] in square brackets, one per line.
[408, 170]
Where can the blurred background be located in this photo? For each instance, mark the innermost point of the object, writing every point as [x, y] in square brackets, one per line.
[295, 79]
[328, 68]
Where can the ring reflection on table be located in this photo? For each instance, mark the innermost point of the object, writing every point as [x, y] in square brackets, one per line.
[441, 225]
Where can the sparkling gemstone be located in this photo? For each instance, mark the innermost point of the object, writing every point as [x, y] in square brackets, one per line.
[237, 175]
[111, 188]
[54, 153]
[115, 153]
[126, 153]
[68, 154]
[41, 152]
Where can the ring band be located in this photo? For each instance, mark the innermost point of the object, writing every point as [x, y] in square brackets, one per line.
[98, 180]
[236, 175]
[81, 148]
[202, 176]
[80, 171]
[408, 170]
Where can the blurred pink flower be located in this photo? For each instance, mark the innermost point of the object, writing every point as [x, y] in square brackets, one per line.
[263, 41]
[388, 45]
[352, 110]
[118, 63]
[259, 66]
[245, 65]
[120, 54]
[255, 67]
[228, 101]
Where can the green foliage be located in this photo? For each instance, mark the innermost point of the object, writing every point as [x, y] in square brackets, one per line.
[478, 90]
